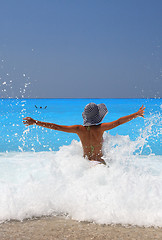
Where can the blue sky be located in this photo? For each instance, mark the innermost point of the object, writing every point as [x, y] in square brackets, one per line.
[81, 48]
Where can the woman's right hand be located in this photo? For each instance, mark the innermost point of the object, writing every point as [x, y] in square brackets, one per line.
[141, 111]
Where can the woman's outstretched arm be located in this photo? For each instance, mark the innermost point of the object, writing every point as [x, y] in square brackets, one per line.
[122, 120]
[71, 129]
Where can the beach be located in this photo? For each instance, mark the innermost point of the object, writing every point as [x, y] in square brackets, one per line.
[61, 228]
[43, 173]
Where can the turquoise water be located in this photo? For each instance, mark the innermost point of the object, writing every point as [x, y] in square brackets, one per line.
[42, 171]
[69, 112]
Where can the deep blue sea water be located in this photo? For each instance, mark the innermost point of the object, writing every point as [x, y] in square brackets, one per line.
[42, 171]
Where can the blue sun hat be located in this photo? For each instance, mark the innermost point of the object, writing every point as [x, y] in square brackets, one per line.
[94, 113]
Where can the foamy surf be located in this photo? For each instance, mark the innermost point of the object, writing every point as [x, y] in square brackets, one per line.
[63, 182]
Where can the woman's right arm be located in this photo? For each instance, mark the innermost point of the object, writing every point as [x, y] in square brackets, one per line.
[122, 120]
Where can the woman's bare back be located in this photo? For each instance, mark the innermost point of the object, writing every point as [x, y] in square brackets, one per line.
[92, 140]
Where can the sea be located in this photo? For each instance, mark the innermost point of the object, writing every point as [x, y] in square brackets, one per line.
[43, 172]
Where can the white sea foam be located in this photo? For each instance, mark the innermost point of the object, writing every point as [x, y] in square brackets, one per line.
[63, 182]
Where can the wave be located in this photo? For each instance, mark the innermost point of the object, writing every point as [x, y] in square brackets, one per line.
[126, 191]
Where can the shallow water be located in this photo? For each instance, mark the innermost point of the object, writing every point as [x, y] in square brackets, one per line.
[42, 172]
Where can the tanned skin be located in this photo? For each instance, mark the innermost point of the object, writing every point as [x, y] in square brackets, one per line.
[91, 137]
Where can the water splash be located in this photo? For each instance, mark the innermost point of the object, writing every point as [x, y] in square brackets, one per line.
[63, 182]
[14, 84]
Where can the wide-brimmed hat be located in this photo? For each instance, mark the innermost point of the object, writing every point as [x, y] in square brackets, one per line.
[94, 113]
